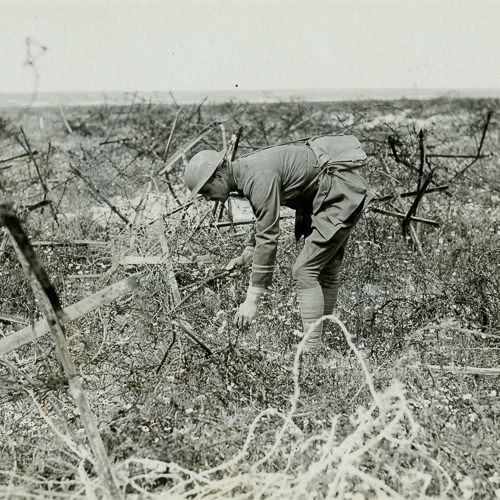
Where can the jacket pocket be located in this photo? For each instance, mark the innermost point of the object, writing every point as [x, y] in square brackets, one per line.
[327, 224]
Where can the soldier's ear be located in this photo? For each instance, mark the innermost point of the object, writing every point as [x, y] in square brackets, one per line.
[218, 175]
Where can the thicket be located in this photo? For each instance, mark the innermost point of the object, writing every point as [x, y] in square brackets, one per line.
[403, 403]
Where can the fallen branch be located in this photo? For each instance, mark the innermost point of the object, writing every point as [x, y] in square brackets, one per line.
[246, 221]
[13, 319]
[403, 216]
[411, 193]
[95, 191]
[5, 160]
[188, 329]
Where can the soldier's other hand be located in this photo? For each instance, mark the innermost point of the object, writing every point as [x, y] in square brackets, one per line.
[246, 313]
[243, 260]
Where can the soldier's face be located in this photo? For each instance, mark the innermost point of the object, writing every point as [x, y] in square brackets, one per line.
[216, 189]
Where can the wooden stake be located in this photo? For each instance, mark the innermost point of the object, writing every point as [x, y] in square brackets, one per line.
[51, 308]
[182, 151]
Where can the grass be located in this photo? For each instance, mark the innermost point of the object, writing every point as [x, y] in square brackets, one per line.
[365, 419]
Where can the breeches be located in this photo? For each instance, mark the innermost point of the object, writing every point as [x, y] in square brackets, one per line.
[319, 262]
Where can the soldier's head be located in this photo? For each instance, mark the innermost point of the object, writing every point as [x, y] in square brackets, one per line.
[207, 174]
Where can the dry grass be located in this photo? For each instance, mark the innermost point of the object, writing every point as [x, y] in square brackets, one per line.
[366, 419]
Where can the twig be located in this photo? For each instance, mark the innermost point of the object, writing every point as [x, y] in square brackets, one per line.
[18, 156]
[117, 141]
[416, 201]
[95, 191]
[167, 147]
[204, 281]
[421, 145]
[477, 157]
[410, 193]
[174, 337]
[188, 329]
[32, 156]
[246, 221]
[403, 216]
[182, 207]
[13, 319]
[438, 155]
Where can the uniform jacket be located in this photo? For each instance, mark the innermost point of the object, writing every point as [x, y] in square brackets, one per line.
[311, 177]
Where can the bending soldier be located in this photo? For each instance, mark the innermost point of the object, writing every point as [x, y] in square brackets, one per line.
[318, 178]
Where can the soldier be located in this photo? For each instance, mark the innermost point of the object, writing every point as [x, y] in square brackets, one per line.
[317, 178]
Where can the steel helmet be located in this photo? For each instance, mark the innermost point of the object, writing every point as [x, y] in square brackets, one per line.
[200, 168]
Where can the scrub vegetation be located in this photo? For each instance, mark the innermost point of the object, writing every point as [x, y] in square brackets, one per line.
[404, 400]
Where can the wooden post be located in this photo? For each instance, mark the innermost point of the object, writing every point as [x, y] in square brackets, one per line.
[51, 308]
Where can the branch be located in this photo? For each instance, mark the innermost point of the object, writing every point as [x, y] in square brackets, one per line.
[410, 193]
[95, 191]
[403, 216]
[478, 153]
[19, 156]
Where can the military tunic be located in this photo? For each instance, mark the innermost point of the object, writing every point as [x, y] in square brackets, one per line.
[287, 175]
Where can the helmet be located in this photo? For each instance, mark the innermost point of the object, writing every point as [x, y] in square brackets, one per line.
[200, 168]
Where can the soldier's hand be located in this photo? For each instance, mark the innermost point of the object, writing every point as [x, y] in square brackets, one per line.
[246, 313]
[243, 260]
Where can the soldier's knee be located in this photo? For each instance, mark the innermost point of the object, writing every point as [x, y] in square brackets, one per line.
[303, 277]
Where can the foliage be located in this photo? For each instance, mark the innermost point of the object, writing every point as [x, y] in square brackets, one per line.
[367, 418]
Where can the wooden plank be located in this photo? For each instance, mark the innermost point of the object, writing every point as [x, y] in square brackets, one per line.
[69, 243]
[183, 150]
[75, 311]
[139, 260]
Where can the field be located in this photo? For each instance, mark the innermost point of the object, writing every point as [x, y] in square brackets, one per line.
[404, 402]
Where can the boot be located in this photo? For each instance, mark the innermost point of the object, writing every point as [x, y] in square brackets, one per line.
[311, 309]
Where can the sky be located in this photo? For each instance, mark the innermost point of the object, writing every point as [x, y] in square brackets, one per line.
[203, 45]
